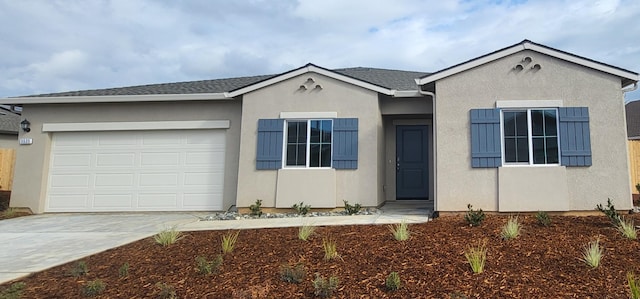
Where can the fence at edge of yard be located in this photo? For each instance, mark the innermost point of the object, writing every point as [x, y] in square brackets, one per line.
[7, 162]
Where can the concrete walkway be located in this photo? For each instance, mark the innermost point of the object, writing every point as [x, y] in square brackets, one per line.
[35, 243]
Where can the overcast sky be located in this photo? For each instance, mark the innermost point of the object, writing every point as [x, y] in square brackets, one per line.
[62, 45]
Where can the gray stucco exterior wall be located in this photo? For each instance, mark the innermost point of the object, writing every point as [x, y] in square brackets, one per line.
[576, 86]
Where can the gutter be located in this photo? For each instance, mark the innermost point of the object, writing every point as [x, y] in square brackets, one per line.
[630, 89]
[118, 98]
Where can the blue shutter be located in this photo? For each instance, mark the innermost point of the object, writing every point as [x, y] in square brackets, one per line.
[575, 140]
[485, 138]
[270, 137]
[345, 143]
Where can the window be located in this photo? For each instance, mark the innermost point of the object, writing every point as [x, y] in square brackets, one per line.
[308, 143]
[530, 136]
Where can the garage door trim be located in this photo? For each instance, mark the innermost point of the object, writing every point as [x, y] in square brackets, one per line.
[135, 126]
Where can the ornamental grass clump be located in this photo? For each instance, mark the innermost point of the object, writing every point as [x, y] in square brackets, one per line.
[400, 231]
[293, 274]
[205, 267]
[229, 242]
[93, 288]
[168, 236]
[14, 291]
[511, 230]
[543, 218]
[627, 228]
[474, 217]
[324, 287]
[393, 282]
[78, 269]
[592, 254]
[477, 256]
[634, 286]
[330, 250]
[123, 271]
[305, 231]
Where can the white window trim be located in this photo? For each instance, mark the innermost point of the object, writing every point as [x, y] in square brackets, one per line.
[308, 144]
[526, 104]
[529, 138]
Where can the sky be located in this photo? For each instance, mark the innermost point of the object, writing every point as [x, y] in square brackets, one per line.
[65, 45]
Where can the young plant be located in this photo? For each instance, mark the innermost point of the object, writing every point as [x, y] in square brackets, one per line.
[543, 218]
[14, 291]
[511, 230]
[301, 208]
[293, 274]
[477, 256]
[393, 282]
[324, 287]
[205, 267]
[167, 291]
[305, 231]
[474, 217]
[256, 208]
[9, 213]
[124, 270]
[93, 288]
[400, 231]
[627, 228]
[592, 254]
[351, 209]
[610, 211]
[80, 268]
[168, 236]
[330, 251]
[229, 242]
[634, 286]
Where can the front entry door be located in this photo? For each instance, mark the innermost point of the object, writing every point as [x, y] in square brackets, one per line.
[412, 171]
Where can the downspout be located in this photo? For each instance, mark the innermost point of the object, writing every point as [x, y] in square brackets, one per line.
[433, 136]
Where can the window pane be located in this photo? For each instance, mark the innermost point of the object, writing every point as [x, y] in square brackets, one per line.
[291, 155]
[550, 123]
[521, 123]
[537, 123]
[522, 150]
[302, 155]
[509, 123]
[325, 155]
[314, 155]
[292, 132]
[538, 151]
[552, 150]
[315, 131]
[509, 150]
[326, 131]
[302, 132]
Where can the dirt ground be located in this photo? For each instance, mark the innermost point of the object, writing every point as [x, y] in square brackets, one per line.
[544, 262]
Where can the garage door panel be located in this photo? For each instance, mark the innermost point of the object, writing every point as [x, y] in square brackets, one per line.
[115, 159]
[113, 200]
[136, 171]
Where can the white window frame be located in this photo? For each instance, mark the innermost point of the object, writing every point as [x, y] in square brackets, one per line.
[308, 144]
[529, 137]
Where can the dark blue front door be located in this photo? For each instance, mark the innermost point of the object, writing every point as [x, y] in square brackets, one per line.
[412, 171]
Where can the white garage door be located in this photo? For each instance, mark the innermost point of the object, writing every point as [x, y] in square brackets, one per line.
[173, 170]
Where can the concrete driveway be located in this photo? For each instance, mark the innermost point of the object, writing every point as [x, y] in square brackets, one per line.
[35, 243]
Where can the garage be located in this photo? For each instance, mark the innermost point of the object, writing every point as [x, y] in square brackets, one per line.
[140, 170]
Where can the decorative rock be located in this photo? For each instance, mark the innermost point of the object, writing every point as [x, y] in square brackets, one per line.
[234, 215]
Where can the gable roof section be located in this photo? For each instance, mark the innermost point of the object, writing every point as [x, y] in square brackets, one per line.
[627, 77]
[632, 111]
[381, 80]
[9, 122]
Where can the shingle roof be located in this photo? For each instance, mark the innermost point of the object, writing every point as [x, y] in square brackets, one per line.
[9, 122]
[632, 110]
[392, 79]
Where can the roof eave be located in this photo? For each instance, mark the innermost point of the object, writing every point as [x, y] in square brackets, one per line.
[117, 98]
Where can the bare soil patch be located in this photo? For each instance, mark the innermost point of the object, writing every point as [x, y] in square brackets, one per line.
[544, 262]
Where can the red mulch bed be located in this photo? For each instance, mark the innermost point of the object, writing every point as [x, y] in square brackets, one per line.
[544, 262]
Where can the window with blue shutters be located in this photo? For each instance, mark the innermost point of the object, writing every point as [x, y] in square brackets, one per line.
[312, 143]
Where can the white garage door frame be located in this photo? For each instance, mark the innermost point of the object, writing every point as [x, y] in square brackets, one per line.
[155, 166]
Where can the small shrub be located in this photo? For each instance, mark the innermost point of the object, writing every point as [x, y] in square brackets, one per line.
[14, 291]
[638, 187]
[627, 228]
[305, 231]
[301, 208]
[325, 287]
[168, 236]
[543, 218]
[229, 242]
[393, 282]
[205, 267]
[610, 211]
[293, 274]
[511, 230]
[166, 291]
[474, 217]
[93, 288]
[330, 251]
[124, 270]
[256, 208]
[351, 209]
[634, 286]
[400, 231]
[9, 213]
[477, 256]
[592, 254]
[80, 268]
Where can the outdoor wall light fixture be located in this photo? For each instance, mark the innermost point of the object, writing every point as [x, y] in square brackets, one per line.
[25, 125]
